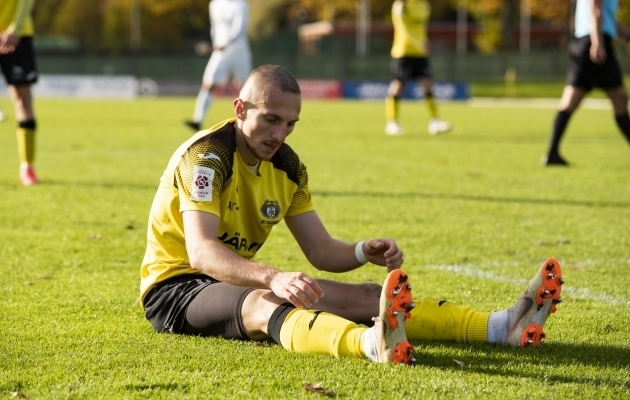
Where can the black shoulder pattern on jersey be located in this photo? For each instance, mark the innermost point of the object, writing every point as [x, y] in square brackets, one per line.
[288, 161]
[215, 150]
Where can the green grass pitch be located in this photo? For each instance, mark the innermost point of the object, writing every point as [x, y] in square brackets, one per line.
[473, 210]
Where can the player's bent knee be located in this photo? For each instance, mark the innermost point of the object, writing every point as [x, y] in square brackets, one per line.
[256, 311]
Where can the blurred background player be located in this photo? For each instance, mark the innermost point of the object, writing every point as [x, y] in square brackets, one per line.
[593, 64]
[410, 60]
[231, 56]
[17, 60]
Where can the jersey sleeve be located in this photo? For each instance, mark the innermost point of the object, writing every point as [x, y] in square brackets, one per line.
[301, 201]
[200, 177]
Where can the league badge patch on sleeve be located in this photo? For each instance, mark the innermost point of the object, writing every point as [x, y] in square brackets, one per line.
[201, 189]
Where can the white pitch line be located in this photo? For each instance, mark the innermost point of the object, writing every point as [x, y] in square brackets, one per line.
[581, 293]
[499, 102]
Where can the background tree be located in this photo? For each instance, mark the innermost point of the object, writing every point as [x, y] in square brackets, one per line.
[175, 25]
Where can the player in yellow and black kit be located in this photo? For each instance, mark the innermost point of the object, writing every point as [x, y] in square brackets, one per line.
[218, 199]
[17, 61]
[410, 61]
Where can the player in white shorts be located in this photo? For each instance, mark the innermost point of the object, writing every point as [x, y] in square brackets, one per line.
[231, 56]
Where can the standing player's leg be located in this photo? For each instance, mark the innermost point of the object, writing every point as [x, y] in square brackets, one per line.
[392, 100]
[571, 98]
[619, 98]
[436, 125]
[24, 114]
[213, 76]
[20, 70]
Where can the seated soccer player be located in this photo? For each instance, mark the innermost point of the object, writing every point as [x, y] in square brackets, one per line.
[220, 196]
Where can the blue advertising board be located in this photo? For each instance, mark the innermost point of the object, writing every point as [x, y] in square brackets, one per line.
[378, 90]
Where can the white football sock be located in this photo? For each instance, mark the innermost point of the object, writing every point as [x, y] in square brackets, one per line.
[204, 99]
[498, 327]
[369, 344]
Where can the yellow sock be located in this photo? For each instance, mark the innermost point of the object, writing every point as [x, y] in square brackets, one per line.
[433, 320]
[310, 331]
[391, 108]
[432, 106]
[26, 144]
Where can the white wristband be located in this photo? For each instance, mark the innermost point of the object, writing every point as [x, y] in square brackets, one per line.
[358, 252]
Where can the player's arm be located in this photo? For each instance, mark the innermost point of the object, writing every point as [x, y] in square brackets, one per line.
[10, 38]
[239, 25]
[329, 254]
[211, 257]
[597, 51]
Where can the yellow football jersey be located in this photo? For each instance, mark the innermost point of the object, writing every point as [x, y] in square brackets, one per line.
[18, 18]
[410, 18]
[207, 174]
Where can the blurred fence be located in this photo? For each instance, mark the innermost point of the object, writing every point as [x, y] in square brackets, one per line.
[328, 58]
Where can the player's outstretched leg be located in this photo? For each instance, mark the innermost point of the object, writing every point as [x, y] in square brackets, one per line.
[527, 316]
[395, 306]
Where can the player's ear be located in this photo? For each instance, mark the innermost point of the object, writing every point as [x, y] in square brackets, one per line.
[240, 109]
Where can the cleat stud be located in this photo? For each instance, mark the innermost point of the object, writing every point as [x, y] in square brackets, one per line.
[395, 312]
[561, 281]
[559, 299]
[550, 275]
[549, 267]
[412, 305]
[546, 291]
[529, 341]
[409, 287]
[395, 292]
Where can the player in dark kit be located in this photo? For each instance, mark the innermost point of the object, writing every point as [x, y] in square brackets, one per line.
[593, 64]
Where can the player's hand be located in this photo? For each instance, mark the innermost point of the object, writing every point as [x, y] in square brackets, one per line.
[299, 289]
[8, 42]
[597, 54]
[383, 252]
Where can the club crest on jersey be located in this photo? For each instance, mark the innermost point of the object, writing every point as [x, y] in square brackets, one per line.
[201, 189]
[270, 209]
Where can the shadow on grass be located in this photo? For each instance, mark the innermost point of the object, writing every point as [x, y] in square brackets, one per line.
[490, 199]
[551, 359]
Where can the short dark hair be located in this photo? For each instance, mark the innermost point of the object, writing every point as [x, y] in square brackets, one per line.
[279, 77]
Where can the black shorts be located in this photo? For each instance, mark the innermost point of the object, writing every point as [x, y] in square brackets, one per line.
[584, 73]
[196, 305]
[407, 68]
[19, 67]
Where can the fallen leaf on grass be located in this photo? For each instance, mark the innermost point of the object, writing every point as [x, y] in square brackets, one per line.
[317, 388]
[20, 395]
[460, 363]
